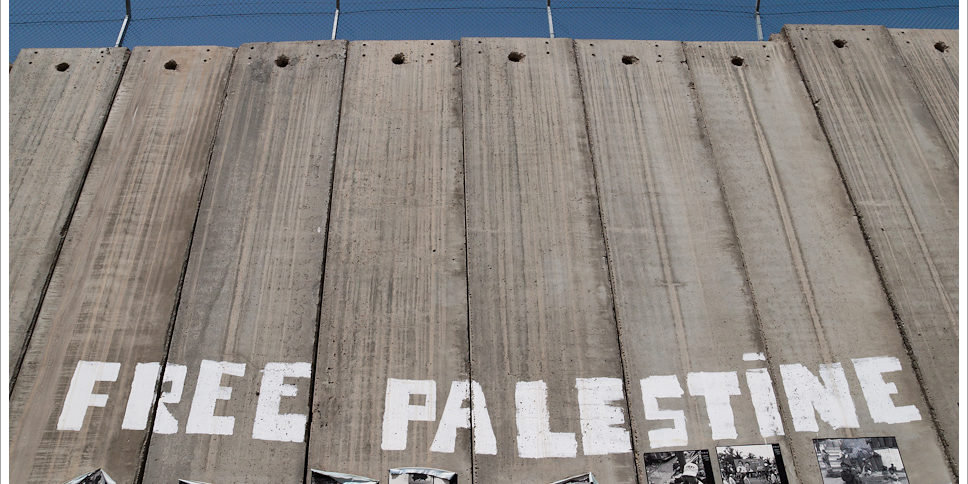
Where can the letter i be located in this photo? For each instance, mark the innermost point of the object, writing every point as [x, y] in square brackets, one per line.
[764, 402]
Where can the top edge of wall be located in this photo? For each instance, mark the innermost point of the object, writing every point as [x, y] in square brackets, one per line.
[829, 27]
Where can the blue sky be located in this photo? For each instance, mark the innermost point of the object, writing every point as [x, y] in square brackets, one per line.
[95, 23]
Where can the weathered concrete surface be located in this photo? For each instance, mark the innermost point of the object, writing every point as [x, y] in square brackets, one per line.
[113, 289]
[539, 295]
[394, 293]
[903, 182]
[814, 284]
[56, 118]
[680, 289]
[715, 220]
[251, 290]
[931, 58]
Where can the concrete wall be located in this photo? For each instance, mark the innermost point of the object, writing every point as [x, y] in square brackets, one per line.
[515, 259]
[57, 111]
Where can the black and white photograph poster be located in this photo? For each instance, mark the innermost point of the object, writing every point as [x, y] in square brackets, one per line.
[751, 464]
[866, 460]
[679, 467]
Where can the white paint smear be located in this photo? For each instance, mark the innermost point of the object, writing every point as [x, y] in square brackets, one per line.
[830, 399]
[143, 393]
[878, 392]
[602, 424]
[456, 416]
[80, 394]
[716, 388]
[535, 438]
[208, 390]
[398, 412]
[664, 386]
[754, 357]
[764, 402]
[269, 424]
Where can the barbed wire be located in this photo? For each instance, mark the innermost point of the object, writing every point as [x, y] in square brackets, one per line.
[45, 23]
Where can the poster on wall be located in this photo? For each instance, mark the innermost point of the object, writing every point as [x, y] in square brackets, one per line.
[683, 466]
[867, 459]
[753, 464]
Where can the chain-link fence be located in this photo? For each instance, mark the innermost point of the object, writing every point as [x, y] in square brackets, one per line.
[99, 23]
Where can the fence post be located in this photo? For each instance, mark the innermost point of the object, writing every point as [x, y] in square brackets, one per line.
[759, 26]
[551, 24]
[124, 25]
[335, 20]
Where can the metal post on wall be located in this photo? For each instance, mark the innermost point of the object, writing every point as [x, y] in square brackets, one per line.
[759, 26]
[124, 25]
[335, 20]
[551, 24]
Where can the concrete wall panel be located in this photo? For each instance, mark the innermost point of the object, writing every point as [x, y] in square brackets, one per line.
[540, 303]
[903, 182]
[931, 58]
[251, 290]
[394, 293]
[113, 289]
[814, 284]
[56, 117]
[681, 296]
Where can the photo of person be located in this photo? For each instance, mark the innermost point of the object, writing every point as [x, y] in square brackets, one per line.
[865, 460]
[679, 467]
[751, 464]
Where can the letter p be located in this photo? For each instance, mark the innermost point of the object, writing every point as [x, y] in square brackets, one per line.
[398, 412]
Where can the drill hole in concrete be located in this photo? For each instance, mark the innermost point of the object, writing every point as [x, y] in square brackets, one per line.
[737, 61]
[515, 56]
[171, 65]
[282, 61]
[399, 59]
[840, 43]
[629, 59]
[63, 66]
[941, 46]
